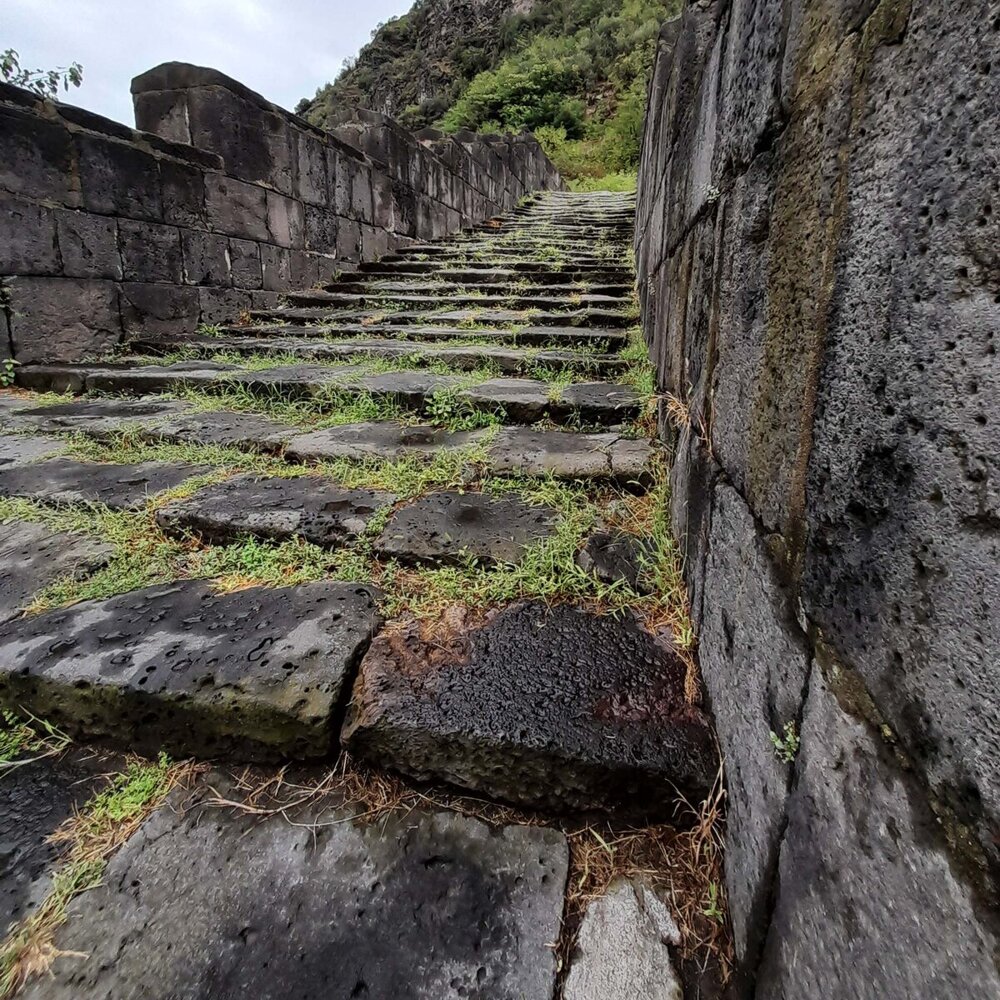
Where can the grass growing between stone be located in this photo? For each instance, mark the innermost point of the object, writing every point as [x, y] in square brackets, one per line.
[89, 839]
[24, 740]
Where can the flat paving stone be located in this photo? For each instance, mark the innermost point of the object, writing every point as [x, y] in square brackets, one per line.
[305, 507]
[522, 400]
[614, 555]
[546, 707]
[566, 455]
[622, 951]
[212, 904]
[36, 796]
[120, 487]
[408, 388]
[598, 403]
[24, 449]
[452, 527]
[257, 674]
[101, 418]
[376, 439]
[33, 557]
[226, 429]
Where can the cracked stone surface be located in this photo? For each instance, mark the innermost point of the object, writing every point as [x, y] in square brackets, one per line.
[120, 487]
[451, 527]
[257, 674]
[421, 906]
[377, 439]
[552, 708]
[308, 507]
[32, 557]
[622, 949]
[523, 400]
[614, 555]
[100, 418]
[597, 402]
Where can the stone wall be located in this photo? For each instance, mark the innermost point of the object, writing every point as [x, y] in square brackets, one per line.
[819, 253]
[221, 202]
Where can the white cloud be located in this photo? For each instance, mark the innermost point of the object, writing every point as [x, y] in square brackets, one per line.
[283, 50]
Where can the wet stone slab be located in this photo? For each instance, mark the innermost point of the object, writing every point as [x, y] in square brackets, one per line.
[454, 527]
[554, 708]
[101, 418]
[598, 403]
[522, 400]
[32, 557]
[306, 507]
[225, 429]
[376, 439]
[216, 905]
[24, 449]
[257, 674]
[120, 487]
[36, 796]
[614, 555]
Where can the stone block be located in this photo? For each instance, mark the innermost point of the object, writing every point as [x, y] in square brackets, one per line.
[221, 305]
[184, 199]
[870, 902]
[306, 507]
[150, 309]
[88, 245]
[623, 948]
[64, 319]
[582, 711]
[244, 264]
[236, 208]
[118, 178]
[312, 171]
[38, 157]
[285, 220]
[353, 899]
[27, 238]
[276, 267]
[32, 557]
[24, 449]
[385, 439]
[150, 252]
[320, 229]
[257, 674]
[349, 240]
[206, 258]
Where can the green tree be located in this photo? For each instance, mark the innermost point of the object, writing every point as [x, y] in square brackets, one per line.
[44, 82]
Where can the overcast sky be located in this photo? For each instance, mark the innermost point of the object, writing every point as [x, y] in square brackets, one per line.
[284, 50]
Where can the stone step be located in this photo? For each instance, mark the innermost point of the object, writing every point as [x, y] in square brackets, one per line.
[513, 300]
[387, 289]
[66, 482]
[276, 508]
[551, 708]
[520, 400]
[515, 451]
[319, 901]
[257, 674]
[473, 317]
[510, 361]
[595, 339]
[534, 271]
[453, 527]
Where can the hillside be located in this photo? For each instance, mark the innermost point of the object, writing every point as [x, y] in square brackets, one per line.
[574, 71]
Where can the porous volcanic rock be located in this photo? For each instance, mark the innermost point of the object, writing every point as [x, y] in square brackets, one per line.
[548, 707]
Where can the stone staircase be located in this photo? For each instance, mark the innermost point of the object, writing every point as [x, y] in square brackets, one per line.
[393, 516]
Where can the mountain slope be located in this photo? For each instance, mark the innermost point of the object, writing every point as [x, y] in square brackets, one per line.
[574, 71]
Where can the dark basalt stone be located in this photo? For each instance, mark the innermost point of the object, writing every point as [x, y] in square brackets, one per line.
[452, 527]
[383, 439]
[32, 557]
[546, 707]
[212, 903]
[23, 449]
[306, 507]
[227, 429]
[121, 487]
[522, 400]
[101, 417]
[36, 796]
[598, 403]
[257, 674]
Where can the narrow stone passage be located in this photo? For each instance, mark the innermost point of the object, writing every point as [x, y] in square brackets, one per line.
[408, 523]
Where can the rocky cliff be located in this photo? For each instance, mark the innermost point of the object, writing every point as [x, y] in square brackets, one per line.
[415, 65]
[817, 251]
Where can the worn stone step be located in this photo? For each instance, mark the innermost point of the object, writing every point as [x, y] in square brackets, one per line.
[33, 557]
[547, 707]
[257, 674]
[64, 481]
[386, 289]
[276, 508]
[596, 339]
[474, 318]
[452, 527]
[23, 449]
[377, 439]
[521, 400]
[539, 271]
[511, 361]
[514, 300]
[318, 901]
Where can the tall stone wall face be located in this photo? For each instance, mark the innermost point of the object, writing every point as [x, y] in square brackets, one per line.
[221, 202]
[819, 252]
